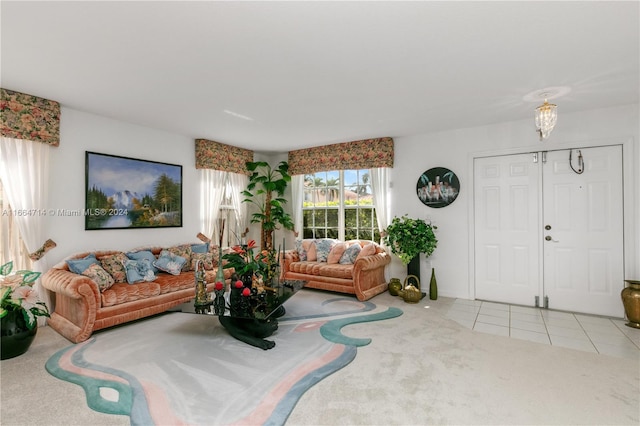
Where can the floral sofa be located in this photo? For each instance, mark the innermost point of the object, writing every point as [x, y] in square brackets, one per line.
[96, 290]
[353, 267]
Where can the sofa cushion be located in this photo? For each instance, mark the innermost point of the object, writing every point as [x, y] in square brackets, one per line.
[143, 254]
[323, 248]
[367, 250]
[335, 270]
[350, 254]
[114, 265]
[200, 248]
[312, 255]
[139, 270]
[336, 253]
[170, 283]
[123, 293]
[99, 276]
[80, 265]
[169, 262]
[185, 251]
[205, 258]
[306, 267]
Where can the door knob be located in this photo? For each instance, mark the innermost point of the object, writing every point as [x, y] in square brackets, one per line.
[548, 238]
[548, 227]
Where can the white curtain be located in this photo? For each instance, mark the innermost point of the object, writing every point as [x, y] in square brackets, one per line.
[212, 183]
[297, 197]
[24, 172]
[381, 195]
[238, 182]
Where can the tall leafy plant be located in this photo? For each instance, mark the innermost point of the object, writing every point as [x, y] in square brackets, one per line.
[265, 190]
[409, 237]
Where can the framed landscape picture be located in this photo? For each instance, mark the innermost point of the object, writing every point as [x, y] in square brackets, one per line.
[124, 193]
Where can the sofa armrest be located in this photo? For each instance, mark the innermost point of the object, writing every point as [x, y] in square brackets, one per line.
[368, 275]
[288, 257]
[77, 299]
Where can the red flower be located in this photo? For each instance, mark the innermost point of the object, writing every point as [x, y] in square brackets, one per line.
[246, 292]
[219, 286]
[239, 284]
[251, 244]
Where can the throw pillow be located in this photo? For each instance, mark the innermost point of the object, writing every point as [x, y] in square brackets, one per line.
[215, 255]
[78, 266]
[144, 254]
[312, 255]
[302, 251]
[170, 262]
[205, 258]
[99, 276]
[200, 248]
[336, 253]
[114, 265]
[323, 248]
[139, 270]
[183, 251]
[367, 250]
[350, 254]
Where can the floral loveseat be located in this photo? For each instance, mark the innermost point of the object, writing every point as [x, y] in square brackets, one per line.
[113, 287]
[353, 267]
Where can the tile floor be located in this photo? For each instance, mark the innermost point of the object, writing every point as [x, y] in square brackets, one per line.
[577, 331]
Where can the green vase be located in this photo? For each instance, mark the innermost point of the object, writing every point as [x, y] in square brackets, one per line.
[16, 336]
[433, 286]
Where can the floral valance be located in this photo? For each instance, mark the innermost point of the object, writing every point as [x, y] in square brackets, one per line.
[218, 156]
[29, 117]
[364, 154]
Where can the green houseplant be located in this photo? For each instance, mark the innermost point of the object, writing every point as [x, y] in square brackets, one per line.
[407, 238]
[265, 190]
[19, 308]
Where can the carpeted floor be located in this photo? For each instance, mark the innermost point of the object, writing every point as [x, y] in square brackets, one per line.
[182, 368]
[421, 368]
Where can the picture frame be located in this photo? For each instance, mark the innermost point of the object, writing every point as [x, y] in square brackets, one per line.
[127, 193]
[438, 187]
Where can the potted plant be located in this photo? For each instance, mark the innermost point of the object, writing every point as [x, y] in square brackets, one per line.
[265, 189]
[19, 309]
[407, 238]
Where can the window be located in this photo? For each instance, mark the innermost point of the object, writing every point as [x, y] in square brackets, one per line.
[339, 204]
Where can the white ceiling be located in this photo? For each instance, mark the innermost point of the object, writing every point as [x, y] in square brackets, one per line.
[312, 73]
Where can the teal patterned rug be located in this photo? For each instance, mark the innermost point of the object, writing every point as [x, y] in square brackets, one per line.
[180, 368]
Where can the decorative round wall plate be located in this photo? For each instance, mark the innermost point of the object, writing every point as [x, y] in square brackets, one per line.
[438, 187]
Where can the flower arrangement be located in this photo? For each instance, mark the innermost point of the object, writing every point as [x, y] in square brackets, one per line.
[17, 294]
[409, 237]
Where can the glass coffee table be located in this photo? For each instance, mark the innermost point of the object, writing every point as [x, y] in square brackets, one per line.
[248, 315]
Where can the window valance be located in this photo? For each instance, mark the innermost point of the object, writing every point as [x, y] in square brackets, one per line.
[29, 117]
[218, 156]
[364, 154]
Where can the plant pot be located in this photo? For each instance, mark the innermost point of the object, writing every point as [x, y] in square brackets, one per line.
[15, 335]
[631, 301]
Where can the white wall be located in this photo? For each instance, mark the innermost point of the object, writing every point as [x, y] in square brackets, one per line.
[456, 149]
[80, 132]
[453, 149]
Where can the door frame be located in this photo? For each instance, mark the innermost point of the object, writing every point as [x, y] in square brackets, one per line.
[629, 203]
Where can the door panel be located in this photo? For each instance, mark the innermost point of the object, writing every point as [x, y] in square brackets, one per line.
[583, 260]
[506, 223]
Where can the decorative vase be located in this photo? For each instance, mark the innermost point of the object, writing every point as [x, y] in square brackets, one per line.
[433, 286]
[395, 285]
[413, 267]
[631, 301]
[15, 335]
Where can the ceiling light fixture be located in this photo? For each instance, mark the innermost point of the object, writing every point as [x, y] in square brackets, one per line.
[546, 118]
[546, 114]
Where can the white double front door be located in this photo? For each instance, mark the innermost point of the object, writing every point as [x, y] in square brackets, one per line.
[546, 233]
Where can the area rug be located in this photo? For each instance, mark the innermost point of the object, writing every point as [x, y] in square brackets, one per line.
[185, 369]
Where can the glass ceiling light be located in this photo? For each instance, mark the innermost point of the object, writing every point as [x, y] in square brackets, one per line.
[546, 117]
